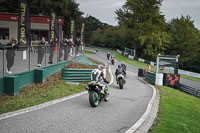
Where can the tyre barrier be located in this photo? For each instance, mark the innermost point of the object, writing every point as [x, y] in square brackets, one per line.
[141, 72]
[76, 75]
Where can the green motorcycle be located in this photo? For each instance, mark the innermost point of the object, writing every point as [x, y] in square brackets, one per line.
[95, 94]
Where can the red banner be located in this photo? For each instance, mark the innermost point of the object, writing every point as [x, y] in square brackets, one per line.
[34, 19]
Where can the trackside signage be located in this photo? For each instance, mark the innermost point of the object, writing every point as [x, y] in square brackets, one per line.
[34, 19]
[53, 26]
[24, 25]
[73, 30]
[83, 32]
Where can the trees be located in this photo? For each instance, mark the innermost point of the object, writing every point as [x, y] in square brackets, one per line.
[105, 37]
[148, 26]
[92, 25]
[185, 40]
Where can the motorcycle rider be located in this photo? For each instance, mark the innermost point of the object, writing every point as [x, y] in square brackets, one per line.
[97, 75]
[112, 58]
[123, 65]
[118, 71]
[124, 68]
[108, 55]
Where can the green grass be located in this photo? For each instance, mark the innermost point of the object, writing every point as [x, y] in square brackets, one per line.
[178, 112]
[34, 96]
[99, 48]
[92, 60]
[130, 61]
[190, 78]
[89, 52]
[125, 59]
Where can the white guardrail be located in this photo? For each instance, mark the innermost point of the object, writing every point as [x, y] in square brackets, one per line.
[192, 74]
[120, 52]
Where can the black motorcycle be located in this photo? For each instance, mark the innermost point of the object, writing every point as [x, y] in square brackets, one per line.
[108, 56]
[95, 94]
[121, 80]
[112, 61]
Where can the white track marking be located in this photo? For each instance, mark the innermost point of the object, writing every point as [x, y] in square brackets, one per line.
[144, 116]
[40, 106]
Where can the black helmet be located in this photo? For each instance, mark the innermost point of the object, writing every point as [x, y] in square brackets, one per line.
[119, 66]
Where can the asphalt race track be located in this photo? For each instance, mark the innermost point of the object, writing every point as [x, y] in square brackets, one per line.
[124, 108]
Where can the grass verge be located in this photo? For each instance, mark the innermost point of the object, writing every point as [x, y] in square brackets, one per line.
[121, 58]
[89, 52]
[35, 94]
[178, 112]
[190, 78]
[95, 61]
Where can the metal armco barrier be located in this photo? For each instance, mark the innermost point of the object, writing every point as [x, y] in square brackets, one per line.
[193, 91]
[76, 75]
[150, 77]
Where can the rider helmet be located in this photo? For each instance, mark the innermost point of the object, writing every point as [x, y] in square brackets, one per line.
[100, 67]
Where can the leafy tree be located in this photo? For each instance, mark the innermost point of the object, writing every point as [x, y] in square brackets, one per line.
[193, 65]
[93, 24]
[185, 40]
[147, 25]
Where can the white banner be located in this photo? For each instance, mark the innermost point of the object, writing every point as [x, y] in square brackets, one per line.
[24, 54]
[120, 52]
[130, 57]
[141, 60]
[192, 74]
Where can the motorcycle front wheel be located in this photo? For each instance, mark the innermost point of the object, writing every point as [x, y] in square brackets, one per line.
[93, 99]
[121, 83]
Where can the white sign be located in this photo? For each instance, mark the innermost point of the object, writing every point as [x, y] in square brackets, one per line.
[24, 54]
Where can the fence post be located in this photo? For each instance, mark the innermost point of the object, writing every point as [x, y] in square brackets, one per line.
[196, 92]
[45, 56]
[3, 63]
[29, 58]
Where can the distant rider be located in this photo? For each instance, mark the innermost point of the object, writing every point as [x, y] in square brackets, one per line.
[97, 75]
[118, 71]
[112, 57]
[108, 55]
[124, 68]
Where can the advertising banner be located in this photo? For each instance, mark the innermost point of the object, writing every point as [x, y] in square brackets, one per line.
[83, 28]
[24, 24]
[73, 30]
[53, 26]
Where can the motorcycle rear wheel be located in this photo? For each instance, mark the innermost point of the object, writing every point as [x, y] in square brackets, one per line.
[93, 99]
[121, 83]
